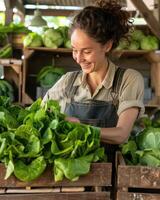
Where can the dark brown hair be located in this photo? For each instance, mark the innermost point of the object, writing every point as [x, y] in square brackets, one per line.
[103, 21]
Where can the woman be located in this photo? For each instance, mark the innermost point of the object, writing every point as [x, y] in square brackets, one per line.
[101, 94]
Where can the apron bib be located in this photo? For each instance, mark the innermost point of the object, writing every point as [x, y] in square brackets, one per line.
[97, 113]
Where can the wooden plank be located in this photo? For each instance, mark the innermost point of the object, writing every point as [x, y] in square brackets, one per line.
[8, 4]
[137, 196]
[58, 50]
[61, 2]
[59, 196]
[148, 16]
[37, 190]
[8, 12]
[19, 5]
[138, 177]
[156, 11]
[72, 189]
[2, 191]
[100, 175]
[51, 12]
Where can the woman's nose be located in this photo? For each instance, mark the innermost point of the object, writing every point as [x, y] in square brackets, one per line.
[79, 57]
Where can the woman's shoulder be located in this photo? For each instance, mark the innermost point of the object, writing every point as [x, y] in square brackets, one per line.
[70, 75]
[132, 74]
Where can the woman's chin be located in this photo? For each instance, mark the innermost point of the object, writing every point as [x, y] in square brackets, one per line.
[87, 70]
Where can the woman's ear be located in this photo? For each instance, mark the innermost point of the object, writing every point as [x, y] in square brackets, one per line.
[108, 46]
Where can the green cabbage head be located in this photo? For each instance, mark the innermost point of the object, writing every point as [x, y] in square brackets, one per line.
[52, 38]
[32, 40]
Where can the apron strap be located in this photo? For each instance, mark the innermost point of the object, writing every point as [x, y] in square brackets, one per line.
[70, 91]
[118, 79]
[115, 88]
[116, 85]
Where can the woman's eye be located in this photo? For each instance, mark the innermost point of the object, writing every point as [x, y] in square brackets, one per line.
[87, 52]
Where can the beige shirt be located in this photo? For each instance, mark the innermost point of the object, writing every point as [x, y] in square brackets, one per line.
[130, 94]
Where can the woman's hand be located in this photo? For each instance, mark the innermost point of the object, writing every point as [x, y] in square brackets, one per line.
[72, 119]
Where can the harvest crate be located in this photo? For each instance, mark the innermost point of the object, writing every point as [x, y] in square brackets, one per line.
[137, 182]
[17, 39]
[94, 186]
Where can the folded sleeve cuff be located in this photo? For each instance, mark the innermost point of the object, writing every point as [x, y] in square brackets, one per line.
[130, 104]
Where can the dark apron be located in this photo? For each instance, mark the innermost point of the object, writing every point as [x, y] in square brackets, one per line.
[97, 113]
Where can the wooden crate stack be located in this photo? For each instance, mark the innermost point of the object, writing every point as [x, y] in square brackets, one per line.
[137, 182]
[94, 186]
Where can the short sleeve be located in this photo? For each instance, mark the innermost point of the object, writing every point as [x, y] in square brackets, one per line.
[131, 92]
[58, 91]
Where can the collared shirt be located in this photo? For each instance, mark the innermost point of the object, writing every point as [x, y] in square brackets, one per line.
[130, 93]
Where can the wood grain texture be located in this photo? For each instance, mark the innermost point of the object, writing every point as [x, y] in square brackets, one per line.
[137, 196]
[99, 175]
[139, 177]
[59, 196]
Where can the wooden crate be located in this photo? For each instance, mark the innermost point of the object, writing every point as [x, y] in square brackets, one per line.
[17, 38]
[137, 182]
[94, 186]
[13, 73]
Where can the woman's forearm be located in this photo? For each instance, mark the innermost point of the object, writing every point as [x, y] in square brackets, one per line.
[114, 135]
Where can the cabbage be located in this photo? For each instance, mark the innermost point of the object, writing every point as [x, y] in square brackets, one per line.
[134, 45]
[52, 38]
[64, 32]
[148, 158]
[149, 43]
[137, 35]
[123, 44]
[149, 139]
[67, 44]
[32, 40]
[49, 75]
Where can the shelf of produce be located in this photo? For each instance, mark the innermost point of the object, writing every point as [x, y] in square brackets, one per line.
[28, 52]
[16, 65]
[138, 182]
[95, 185]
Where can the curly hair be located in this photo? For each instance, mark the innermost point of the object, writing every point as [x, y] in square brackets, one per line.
[103, 21]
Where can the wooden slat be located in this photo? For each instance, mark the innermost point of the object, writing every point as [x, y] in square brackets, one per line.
[58, 50]
[138, 177]
[59, 196]
[33, 191]
[114, 52]
[51, 12]
[61, 2]
[72, 189]
[10, 61]
[137, 196]
[100, 175]
[148, 16]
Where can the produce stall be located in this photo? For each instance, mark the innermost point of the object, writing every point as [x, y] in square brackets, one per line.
[32, 63]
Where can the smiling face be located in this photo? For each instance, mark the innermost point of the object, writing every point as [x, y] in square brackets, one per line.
[88, 53]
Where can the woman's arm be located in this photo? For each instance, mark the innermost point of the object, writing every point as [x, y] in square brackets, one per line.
[121, 132]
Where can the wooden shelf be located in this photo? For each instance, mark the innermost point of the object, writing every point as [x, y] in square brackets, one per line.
[16, 65]
[58, 50]
[69, 50]
[10, 61]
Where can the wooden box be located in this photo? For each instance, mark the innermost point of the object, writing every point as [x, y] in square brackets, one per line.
[137, 182]
[94, 186]
[17, 38]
